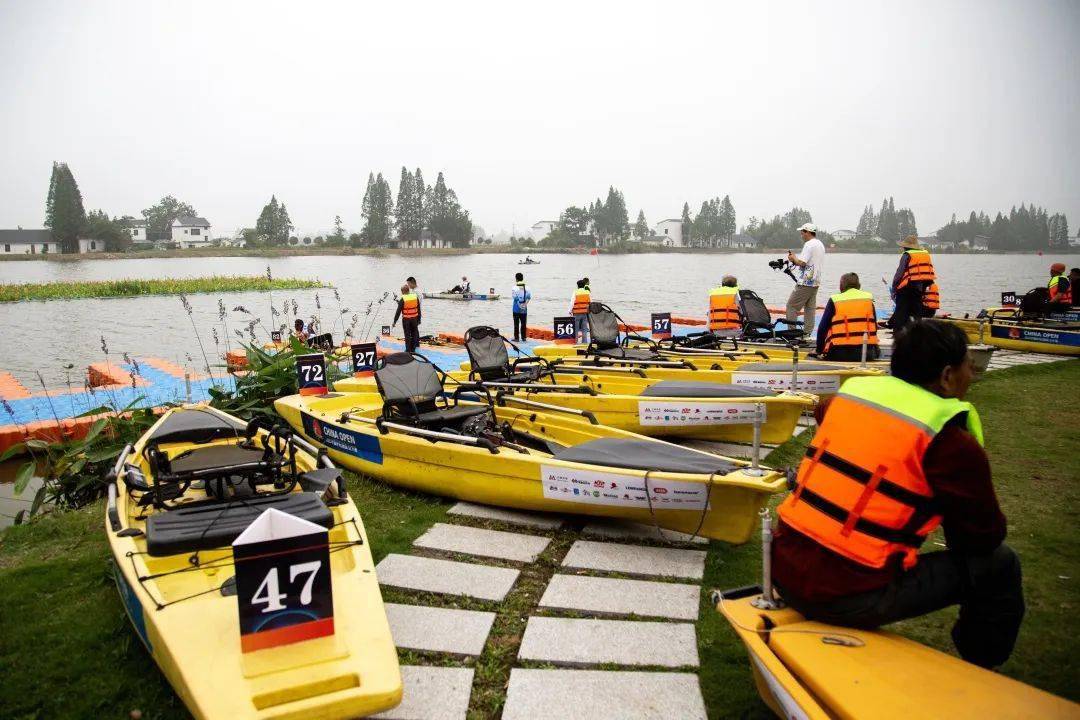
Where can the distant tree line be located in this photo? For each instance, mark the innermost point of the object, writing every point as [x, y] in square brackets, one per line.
[889, 224]
[1027, 227]
[601, 222]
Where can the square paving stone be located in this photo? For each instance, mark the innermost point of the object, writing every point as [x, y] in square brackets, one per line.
[565, 641]
[602, 695]
[461, 632]
[511, 517]
[676, 601]
[636, 559]
[432, 693]
[626, 530]
[445, 576]
[486, 543]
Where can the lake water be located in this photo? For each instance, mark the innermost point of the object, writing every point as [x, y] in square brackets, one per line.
[47, 336]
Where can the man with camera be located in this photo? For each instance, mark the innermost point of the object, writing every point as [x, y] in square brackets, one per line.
[810, 262]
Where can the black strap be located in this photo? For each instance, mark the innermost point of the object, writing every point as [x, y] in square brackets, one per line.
[889, 489]
[866, 527]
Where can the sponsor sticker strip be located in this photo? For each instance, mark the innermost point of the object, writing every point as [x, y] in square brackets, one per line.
[652, 413]
[782, 381]
[601, 488]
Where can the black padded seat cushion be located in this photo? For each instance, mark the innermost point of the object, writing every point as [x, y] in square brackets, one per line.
[216, 525]
[448, 415]
[685, 389]
[786, 367]
[629, 354]
[196, 426]
[644, 455]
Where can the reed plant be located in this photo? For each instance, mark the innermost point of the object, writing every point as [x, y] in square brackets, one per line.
[135, 288]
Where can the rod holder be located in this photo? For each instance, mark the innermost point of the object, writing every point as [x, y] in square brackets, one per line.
[755, 468]
[794, 367]
[768, 599]
[187, 386]
[865, 340]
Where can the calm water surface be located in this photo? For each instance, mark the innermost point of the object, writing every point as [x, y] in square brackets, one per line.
[47, 336]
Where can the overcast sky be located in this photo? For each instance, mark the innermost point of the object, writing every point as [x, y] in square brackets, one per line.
[948, 106]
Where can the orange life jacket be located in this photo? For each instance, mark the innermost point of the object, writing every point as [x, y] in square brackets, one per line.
[1056, 293]
[724, 309]
[853, 315]
[931, 299]
[582, 298]
[920, 268]
[861, 489]
[410, 306]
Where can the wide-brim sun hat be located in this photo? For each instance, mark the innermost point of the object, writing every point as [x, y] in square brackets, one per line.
[910, 242]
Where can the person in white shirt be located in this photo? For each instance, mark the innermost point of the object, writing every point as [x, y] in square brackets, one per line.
[811, 263]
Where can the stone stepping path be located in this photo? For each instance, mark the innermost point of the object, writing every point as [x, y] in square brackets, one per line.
[610, 596]
[432, 693]
[624, 529]
[458, 632]
[602, 695]
[567, 641]
[448, 577]
[486, 543]
[510, 517]
[636, 560]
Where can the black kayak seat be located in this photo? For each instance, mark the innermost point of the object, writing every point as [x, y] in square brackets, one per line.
[448, 414]
[685, 389]
[196, 426]
[205, 527]
[786, 367]
[629, 354]
[644, 455]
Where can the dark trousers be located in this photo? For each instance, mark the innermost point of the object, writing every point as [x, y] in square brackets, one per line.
[412, 334]
[987, 588]
[519, 326]
[908, 307]
[852, 353]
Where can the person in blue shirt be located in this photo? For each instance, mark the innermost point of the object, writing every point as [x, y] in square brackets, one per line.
[522, 296]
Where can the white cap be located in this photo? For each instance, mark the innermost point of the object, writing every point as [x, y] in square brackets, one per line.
[808, 227]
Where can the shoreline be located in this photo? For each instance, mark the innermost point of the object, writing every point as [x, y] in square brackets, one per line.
[281, 252]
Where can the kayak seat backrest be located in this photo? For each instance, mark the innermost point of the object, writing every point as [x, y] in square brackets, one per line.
[487, 353]
[603, 326]
[645, 455]
[1035, 301]
[754, 310]
[194, 425]
[408, 382]
[214, 525]
[688, 389]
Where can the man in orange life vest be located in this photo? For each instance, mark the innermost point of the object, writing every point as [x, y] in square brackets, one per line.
[579, 309]
[408, 309]
[848, 316]
[894, 458]
[1061, 291]
[725, 313]
[914, 275]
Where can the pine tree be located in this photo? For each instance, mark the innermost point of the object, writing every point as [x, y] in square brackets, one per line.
[641, 228]
[64, 212]
[283, 226]
[421, 213]
[406, 206]
[727, 218]
[868, 222]
[905, 220]
[267, 226]
[887, 228]
[686, 223]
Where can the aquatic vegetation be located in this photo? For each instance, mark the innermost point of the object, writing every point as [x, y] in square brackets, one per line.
[133, 287]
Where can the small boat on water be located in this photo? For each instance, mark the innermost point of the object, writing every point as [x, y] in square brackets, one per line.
[178, 498]
[417, 434]
[460, 296]
[1007, 329]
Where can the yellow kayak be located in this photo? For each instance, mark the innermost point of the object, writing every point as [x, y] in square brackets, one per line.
[657, 408]
[1055, 338]
[411, 435]
[807, 669]
[178, 499]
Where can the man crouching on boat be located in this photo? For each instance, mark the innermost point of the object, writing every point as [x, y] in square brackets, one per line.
[893, 458]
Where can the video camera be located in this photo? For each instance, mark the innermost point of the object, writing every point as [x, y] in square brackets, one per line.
[785, 266]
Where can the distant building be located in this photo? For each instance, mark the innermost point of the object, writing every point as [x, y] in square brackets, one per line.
[88, 245]
[843, 235]
[139, 238]
[979, 242]
[740, 241]
[27, 242]
[672, 229]
[426, 241]
[189, 231]
[542, 229]
[1075, 242]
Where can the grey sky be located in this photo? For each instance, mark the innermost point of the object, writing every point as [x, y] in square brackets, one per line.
[947, 106]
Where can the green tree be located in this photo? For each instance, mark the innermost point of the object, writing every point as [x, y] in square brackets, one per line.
[868, 222]
[159, 217]
[64, 212]
[378, 208]
[611, 218]
[284, 225]
[888, 229]
[905, 223]
[574, 222]
[273, 225]
[421, 213]
[112, 233]
[405, 221]
[641, 228]
[727, 225]
[338, 237]
[1059, 231]
[686, 223]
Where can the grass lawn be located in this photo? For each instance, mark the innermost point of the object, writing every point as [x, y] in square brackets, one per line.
[66, 649]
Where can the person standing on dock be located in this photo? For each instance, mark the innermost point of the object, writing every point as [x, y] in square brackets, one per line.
[914, 277]
[811, 263]
[408, 309]
[521, 296]
[1061, 291]
[579, 308]
[848, 316]
[1074, 283]
[893, 459]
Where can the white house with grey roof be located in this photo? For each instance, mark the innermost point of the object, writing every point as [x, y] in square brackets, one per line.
[27, 242]
[671, 231]
[189, 231]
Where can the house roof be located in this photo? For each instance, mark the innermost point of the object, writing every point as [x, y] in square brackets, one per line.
[842, 230]
[138, 223]
[190, 221]
[744, 238]
[542, 222]
[678, 220]
[20, 236]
